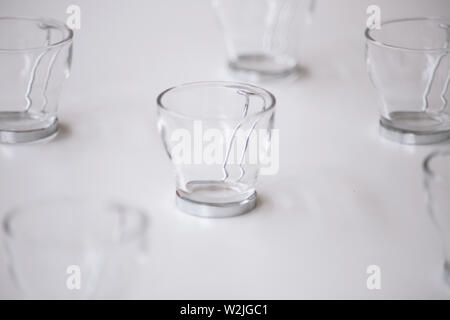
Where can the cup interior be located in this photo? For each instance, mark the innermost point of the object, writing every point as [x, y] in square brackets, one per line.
[413, 34]
[216, 100]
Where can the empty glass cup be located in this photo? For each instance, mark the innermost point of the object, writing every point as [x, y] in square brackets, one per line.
[262, 36]
[35, 58]
[218, 136]
[71, 248]
[437, 184]
[409, 64]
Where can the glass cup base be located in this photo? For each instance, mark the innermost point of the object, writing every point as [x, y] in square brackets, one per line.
[215, 209]
[415, 136]
[259, 67]
[8, 136]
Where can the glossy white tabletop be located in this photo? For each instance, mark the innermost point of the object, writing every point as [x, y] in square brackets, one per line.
[343, 199]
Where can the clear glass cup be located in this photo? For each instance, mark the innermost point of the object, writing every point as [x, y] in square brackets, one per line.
[218, 136]
[437, 184]
[35, 58]
[408, 62]
[73, 248]
[262, 36]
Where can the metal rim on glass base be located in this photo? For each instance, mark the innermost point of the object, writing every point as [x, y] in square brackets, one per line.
[410, 137]
[25, 136]
[212, 210]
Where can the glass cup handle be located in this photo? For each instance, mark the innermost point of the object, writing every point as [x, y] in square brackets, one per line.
[438, 64]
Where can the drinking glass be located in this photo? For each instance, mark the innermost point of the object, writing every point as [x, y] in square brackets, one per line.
[262, 36]
[72, 248]
[437, 184]
[35, 58]
[409, 64]
[218, 136]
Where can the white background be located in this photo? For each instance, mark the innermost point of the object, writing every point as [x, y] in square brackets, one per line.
[343, 199]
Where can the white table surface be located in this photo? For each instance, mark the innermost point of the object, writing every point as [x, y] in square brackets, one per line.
[343, 199]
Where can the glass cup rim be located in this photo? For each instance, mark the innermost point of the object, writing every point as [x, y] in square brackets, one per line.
[25, 209]
[55, 23]
[373, 41]
[427, 167]
[260, 91]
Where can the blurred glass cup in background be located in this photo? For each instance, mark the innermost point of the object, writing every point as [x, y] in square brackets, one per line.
[437, 183]
[70, 248]
[35, 59]
[262, 36]
[218, 136]
[408, 62]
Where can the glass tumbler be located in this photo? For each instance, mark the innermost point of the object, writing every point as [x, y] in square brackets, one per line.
[72, 248]
[262, 36]
[35, 58]
[437, 185]
[218, 136]
[408, 62]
